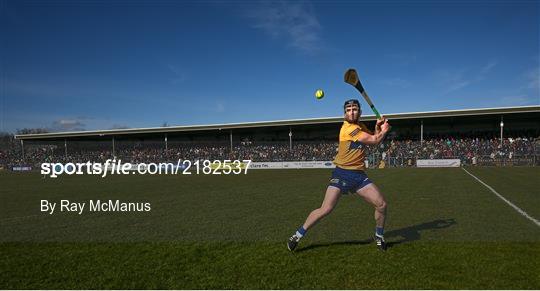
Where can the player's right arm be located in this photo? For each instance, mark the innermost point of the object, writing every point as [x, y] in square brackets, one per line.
[374, 139]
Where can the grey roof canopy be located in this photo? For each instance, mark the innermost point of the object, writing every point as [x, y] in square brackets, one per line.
[262, 124]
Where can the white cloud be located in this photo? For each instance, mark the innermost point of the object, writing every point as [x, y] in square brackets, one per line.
[220, 107]
[68, 124]
[487, 68]
[532, 79]
[119, 126]
[457, 85]
[293, 21]
[454, 80]
[395, 82]
[451, 80]
[518, 100]
[179, 75]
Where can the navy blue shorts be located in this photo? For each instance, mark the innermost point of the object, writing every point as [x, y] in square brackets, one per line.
[349, 180]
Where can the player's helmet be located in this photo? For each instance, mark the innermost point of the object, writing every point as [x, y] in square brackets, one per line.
[351, 102]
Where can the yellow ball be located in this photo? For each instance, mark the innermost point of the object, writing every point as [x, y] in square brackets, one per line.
[319, 94]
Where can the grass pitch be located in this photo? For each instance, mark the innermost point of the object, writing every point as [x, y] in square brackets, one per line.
[445, 231]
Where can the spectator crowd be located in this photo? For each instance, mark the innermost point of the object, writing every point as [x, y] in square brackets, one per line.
[393, 152]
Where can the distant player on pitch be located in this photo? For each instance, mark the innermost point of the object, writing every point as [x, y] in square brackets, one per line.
[349, 175]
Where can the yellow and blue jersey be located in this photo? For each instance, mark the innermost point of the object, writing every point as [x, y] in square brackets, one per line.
[351, 152]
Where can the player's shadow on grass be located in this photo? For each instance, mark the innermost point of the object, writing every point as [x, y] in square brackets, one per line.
[341, 243]
[407, 234]
[412, 233]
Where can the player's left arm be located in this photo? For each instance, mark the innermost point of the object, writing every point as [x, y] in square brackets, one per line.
[374, 139]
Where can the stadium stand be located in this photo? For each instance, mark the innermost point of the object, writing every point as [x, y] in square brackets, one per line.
[469, 135]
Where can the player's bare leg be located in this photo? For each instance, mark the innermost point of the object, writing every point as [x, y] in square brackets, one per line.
[374, 196]
[330, 201]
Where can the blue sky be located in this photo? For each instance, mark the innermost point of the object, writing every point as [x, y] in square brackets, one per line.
[82, 65]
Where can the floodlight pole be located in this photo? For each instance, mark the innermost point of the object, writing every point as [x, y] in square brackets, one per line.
[502, 126]
[231, 140]
[113, 152]
[166, 142]
[290, 139]
[65, 148]
[421, 131]
[22, 148]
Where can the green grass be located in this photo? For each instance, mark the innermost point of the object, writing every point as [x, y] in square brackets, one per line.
[519, 184]
[446, 231]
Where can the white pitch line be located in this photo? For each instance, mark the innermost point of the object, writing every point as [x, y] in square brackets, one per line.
[506, 200]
